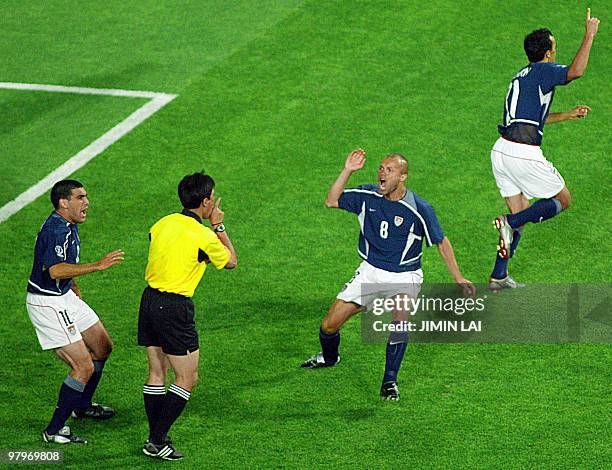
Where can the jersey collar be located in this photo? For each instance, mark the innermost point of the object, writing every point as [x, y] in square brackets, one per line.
[188, 213]
[57, 215]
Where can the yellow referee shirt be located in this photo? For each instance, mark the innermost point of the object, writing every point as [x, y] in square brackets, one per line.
[180, 247]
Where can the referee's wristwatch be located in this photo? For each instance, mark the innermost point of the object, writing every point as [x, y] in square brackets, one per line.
[219, 228]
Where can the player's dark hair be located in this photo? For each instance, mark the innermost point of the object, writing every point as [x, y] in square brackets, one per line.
[63, 190]
[193, 189]
[537, 43]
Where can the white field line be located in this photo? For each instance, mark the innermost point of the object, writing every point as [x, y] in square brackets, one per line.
[158, 101]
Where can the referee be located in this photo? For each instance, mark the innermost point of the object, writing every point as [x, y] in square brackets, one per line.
[181, 248]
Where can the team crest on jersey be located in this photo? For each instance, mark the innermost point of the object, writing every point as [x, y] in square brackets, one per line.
[398, 220]
[59, 251]
[72, 330]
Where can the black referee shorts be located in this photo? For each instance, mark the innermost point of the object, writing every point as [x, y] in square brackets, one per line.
[167, 320]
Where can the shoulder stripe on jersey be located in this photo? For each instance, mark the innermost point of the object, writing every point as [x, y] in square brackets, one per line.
[401, 201]
[361, 218]
[515, 97]
[66, 245]
[44, 290]
[362, 191]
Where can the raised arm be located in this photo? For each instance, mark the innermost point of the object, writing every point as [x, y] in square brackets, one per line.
[225, 239]
[68, 270]
[216, 219]
[579, 64]
[448, 255]
[355, 161]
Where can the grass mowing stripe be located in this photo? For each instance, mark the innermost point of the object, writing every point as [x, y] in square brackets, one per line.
[157, 101]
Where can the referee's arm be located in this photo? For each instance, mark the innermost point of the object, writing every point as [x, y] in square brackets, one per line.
[216, 220]
[233, 259]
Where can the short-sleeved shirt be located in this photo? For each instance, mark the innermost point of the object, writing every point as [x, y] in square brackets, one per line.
[57, 242]
[529, 99]
[179, 251]
[392, 232]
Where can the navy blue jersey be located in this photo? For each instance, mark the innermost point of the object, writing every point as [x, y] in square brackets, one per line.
[528, 101]
[57, 242]
[392, 232]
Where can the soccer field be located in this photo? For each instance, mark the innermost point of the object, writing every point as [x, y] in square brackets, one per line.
[271, 97]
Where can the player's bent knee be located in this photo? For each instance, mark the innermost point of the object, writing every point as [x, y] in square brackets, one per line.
[567, 202]
[565, 198]
[103, 350]
[108, 348]
[329, 327]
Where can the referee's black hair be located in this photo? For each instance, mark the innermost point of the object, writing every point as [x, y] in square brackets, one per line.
[537, 43]
[63, 190]
[193, 189]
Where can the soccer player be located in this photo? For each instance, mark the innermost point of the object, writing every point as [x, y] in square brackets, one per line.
[62, 320]
[520, 169]
[181, 248]
[394, 222]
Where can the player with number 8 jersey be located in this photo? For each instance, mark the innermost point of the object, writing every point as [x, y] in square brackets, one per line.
[393, 223]
[392, 232]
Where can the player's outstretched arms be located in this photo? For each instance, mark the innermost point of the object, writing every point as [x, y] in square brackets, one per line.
[579, 64]
[448, 255]
[355, 161]
[68, 270]
[578, 112]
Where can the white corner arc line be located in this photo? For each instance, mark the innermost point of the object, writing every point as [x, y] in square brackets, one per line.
[158, 101]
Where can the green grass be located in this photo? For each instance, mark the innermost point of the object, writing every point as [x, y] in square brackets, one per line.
[38, 137]
[272, 96]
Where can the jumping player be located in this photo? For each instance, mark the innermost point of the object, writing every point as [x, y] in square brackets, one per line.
[520, 169]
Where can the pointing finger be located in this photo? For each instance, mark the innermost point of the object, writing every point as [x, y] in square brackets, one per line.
[588, 14]
[218, 203]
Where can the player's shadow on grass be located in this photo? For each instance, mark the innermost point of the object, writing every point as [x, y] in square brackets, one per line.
[285, 329]
[119, 79]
